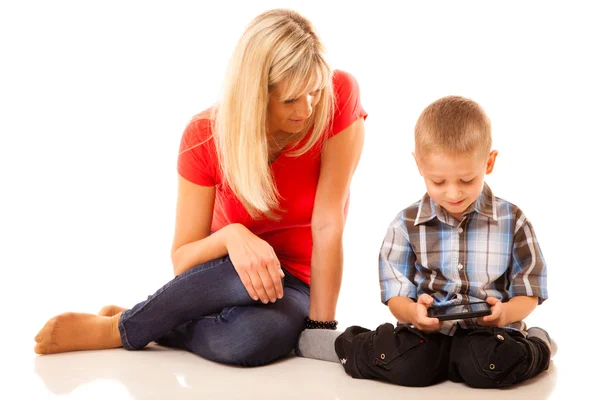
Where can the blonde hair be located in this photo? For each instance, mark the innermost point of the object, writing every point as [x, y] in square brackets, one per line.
[278, 45]
[454, 125]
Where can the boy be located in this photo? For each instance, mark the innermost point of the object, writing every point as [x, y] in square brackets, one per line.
[459, 243]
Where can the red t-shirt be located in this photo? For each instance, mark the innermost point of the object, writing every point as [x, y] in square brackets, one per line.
[296, 179]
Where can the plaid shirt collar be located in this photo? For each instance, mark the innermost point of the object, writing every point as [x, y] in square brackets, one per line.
[484, 205]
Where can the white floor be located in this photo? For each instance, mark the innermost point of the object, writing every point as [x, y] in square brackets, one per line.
[161, 373]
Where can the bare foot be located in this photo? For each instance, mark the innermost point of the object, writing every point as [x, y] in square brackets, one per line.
[109, 311]
[76, 331]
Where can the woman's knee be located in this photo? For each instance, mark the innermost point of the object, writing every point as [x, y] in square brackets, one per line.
[250, 336]
[260, 345]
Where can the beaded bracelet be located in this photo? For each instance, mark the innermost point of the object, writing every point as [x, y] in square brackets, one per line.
[311, 324]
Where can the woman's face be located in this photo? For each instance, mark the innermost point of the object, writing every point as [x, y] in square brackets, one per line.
[290, 115]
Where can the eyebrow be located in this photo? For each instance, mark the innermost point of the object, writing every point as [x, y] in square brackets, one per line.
[281, 98]
[435, 176]
[438, 177]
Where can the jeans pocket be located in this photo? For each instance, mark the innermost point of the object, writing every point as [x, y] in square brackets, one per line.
[495, 354]
[392, 346]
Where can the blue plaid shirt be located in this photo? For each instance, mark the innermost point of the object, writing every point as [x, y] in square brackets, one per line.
[491, 252]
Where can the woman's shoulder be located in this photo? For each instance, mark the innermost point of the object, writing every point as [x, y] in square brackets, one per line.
[200, 126]
[199, 132]
[197, 153]
[344, 83]
[342, 77]
[347, 108]
[346, 90]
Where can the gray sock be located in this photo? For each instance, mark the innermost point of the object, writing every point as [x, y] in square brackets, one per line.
[318, 344]
[542, 334]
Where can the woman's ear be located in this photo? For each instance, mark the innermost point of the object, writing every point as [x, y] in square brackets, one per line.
[491, 161]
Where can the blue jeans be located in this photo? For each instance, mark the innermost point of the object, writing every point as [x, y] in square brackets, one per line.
[207, 311]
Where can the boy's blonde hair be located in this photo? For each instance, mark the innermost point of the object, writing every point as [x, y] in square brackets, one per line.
[278, 45]
[454, 125]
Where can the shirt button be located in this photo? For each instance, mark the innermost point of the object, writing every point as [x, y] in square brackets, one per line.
[460, 230]
[460, 267]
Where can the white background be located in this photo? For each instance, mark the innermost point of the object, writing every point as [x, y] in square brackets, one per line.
[94, 97]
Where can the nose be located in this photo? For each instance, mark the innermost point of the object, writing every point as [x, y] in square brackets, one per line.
[304, 107]
[453, 193]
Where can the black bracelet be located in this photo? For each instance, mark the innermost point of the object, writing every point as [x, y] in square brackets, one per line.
[312, 324]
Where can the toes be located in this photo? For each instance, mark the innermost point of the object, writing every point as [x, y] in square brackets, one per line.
[105, 311]
[39, 348]
[109, 311]
[43, 344]
[46, 330]
[46, 348]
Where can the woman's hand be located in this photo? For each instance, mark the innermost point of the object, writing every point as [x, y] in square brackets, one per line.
[420, 319]
[255, 262]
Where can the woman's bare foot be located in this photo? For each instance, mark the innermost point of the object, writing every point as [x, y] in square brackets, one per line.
[76, 331]
[109, 311]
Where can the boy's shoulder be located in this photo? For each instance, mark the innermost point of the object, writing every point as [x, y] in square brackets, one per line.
[407, 216]
[506, 209]
[424, 210]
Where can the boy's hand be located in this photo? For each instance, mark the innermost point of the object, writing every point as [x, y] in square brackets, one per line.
[497, 317]
[420, 319]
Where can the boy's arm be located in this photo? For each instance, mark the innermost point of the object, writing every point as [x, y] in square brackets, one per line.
[396, 263]
[527, 274]
[396, 278]
[516, 309]
[406, 310]
[527, 278]
[403, 308]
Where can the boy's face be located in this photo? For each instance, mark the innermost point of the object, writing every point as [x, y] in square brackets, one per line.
[454, 182]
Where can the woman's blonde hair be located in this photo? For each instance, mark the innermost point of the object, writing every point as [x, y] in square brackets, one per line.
[454, 125]
[278, 45]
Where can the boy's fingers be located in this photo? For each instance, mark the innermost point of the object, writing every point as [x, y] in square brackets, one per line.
[428, 321]
[494, 315]
[492, 300]
[425, 299]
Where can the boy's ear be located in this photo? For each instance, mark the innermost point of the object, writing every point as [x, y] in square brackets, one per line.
[489, 166]
[417, 161]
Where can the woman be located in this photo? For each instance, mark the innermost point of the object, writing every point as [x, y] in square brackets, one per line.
[264, 179]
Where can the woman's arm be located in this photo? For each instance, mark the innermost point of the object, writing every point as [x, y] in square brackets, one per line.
[339, 159]
[253, 258]
[193, 244]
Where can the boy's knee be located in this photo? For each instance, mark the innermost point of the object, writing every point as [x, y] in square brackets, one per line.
[488, 358]
[402, 355]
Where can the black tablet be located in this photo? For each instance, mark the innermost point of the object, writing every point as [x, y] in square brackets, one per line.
[460, 311]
